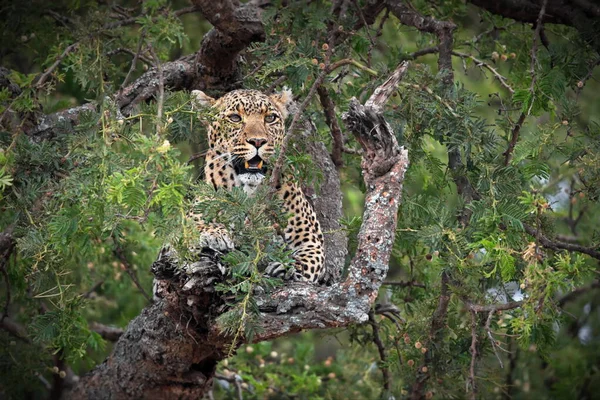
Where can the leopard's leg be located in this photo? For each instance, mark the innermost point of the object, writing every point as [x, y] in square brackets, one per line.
[218, 172]
[303, 235]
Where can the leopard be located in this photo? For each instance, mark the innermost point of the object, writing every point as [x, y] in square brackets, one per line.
[246, 128]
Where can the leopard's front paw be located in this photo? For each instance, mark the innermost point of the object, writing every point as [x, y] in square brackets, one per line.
[287, 273]
[217, 240]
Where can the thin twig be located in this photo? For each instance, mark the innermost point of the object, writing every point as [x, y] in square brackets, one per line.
[15, 329]
[120, 254]
[91, 290]
[134, 61]
[350, 61]
[366, 25]
[7, 283]
[110, 333]
[484, 308]
[473, 350]
[161, 91]
[425, 51]
[65, 21]
[583, 80]
[514, 137]
[381, 348]
[404, 284]
[481, 63]
[10, 245]
[42, 79]
[576, 293]
[274, 182]
[276, 174]
[131, 53]
[196, 156]
[517, 129]
[488, 322]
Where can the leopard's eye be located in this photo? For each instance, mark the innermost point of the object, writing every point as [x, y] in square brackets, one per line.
[234, 117]
[270, 118]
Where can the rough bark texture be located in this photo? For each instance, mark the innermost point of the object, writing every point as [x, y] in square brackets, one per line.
[156, 358]
[172, 348]
[327, 203]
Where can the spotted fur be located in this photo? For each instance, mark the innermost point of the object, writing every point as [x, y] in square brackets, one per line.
[247, 128]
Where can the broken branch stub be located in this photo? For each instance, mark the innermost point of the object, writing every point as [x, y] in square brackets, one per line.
[372, 131]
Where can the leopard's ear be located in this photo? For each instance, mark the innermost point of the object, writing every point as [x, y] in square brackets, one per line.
[283, 100]
[200, 99]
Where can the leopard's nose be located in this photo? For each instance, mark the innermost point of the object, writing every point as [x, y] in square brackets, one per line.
[257, 142]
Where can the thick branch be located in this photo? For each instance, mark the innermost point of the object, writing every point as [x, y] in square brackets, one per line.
[235, 29]
[327, 203]
[331, 121]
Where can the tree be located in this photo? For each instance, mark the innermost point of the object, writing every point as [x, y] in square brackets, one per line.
[487, 244]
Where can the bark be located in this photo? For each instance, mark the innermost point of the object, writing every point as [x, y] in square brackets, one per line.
[327, 203]
[171, 350]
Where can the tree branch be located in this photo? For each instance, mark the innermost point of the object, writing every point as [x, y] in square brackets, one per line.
[519, 124]
[442, 29]
[474, 354]
[483, 64]
[577, 292]
[381, 349]
[334, 127]
[557, 245]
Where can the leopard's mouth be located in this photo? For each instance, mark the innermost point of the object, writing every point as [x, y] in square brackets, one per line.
[254, 165]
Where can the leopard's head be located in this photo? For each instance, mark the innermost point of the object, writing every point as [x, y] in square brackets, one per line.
[246, 127]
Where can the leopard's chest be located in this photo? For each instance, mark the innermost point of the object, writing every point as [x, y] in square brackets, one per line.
[250, 182]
